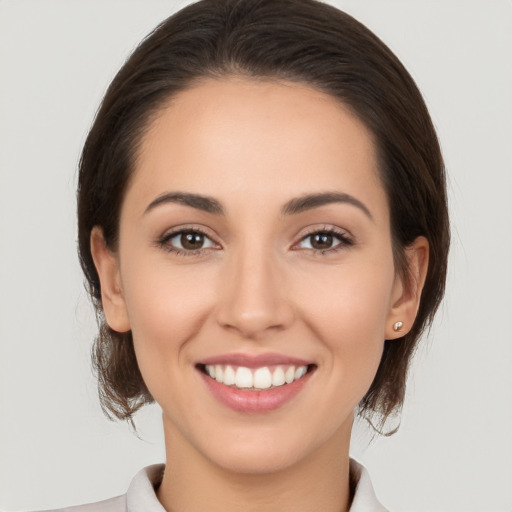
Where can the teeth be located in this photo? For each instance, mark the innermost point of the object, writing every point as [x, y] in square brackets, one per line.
[229, 376]
[300, 372]
[243, 378]
[278, 378]
[289, 375]
[259, 378]
[262, 378]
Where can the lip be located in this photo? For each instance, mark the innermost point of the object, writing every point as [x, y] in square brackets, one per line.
[255, 360]
[250, 401]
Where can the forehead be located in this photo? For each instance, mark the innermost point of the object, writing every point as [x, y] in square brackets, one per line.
[244, 138]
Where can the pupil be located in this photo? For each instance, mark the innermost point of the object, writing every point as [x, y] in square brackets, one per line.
[192, 240]
[322, 241]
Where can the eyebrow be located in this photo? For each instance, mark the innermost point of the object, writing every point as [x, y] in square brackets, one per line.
[292, 207]
[200, 202]
[310, 201]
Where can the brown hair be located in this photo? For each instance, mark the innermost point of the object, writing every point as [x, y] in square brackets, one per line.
[296, 40]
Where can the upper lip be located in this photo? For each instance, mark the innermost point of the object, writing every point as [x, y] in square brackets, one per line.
[254, 360]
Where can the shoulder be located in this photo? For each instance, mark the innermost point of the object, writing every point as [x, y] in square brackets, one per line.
[117, 504]
[141, 495]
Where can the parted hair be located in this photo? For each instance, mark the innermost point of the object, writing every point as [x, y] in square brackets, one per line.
[304, 41]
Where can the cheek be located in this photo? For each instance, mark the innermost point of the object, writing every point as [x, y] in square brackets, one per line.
[348, 310]
[348, 302]
[166, 308]
[165, 300]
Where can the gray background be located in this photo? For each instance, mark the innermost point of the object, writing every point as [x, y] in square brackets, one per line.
[453, 451]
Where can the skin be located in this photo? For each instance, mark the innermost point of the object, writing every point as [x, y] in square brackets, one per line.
[257, 285]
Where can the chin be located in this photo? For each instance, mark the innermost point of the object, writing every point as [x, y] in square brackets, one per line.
[256, 460]
[266, 451]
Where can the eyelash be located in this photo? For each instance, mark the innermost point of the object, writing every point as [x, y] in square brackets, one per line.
[164, 241]
[344, 241]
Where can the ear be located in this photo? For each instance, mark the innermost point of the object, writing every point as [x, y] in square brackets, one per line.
[407, 290]
[107, 267]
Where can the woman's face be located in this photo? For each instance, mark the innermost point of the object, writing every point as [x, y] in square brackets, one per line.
[255, 246]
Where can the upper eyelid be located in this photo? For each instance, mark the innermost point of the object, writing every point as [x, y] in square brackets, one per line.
[303, 233]
[169, 233]
[345, 238]
[311, 230]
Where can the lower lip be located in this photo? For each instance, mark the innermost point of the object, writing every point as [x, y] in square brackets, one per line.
[242, 400]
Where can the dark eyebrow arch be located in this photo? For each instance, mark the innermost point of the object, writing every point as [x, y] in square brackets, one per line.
[292, 207]
[200, 202]
[311, 201]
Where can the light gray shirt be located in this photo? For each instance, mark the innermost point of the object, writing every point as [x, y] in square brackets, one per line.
[141, 495]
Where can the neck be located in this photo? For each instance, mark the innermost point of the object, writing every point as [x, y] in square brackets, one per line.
[192, 483]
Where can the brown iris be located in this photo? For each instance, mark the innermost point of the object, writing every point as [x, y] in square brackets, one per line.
[321, 241]
[191, 240]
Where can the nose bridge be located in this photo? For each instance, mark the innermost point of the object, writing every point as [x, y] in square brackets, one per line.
[253, 298]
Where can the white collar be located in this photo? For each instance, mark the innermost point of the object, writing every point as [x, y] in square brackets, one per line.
[365, 499]
[141, 493]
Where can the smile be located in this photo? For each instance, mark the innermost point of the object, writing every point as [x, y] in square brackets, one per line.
[256, 379]
[255, 383]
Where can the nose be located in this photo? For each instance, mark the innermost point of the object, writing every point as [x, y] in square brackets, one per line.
[253, 299]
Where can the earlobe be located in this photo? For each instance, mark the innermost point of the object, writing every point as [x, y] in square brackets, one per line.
[407, 290]
[107, 267]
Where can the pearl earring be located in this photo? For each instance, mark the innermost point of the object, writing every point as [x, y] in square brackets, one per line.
[397, 326]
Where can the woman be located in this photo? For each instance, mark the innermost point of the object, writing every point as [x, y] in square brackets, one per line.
[263, 227]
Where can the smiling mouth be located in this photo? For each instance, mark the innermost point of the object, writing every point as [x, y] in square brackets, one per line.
[256, 379]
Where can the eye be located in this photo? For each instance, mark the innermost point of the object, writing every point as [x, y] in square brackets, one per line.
[325, 240]
[189, 240]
